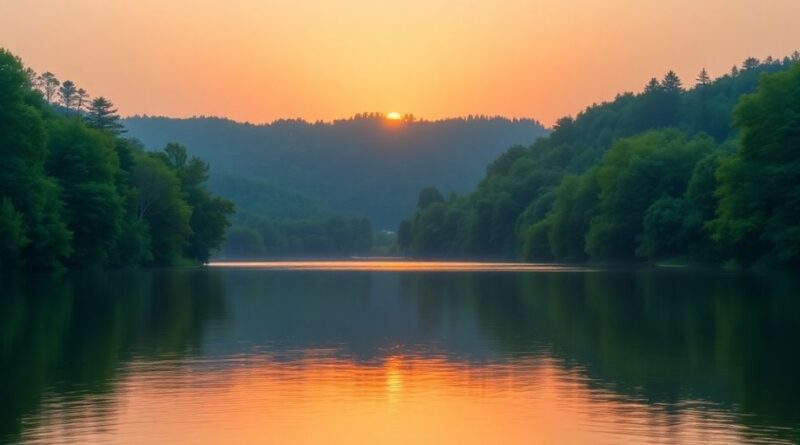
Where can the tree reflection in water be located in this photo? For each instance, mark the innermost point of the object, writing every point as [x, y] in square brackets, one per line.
[665, 340]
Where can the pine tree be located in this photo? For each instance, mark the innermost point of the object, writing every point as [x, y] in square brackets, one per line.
[652, 86]
[702, 82]
[33, 78]
[703, 79]
[103, 116]
[49, 84]
[67, 94]
[81, 98]
[750, 63]
[672, 83]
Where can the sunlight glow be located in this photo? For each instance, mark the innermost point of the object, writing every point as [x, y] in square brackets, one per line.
[520, 58]
[352, 402]
[399, 266]
[393, 116]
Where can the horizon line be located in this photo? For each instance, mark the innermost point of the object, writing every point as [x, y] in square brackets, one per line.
[354, 117]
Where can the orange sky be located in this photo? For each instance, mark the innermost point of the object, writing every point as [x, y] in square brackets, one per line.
[259, 60]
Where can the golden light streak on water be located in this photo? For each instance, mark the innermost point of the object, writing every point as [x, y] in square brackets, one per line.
[400, 266]
[274, 353]
[402, 400]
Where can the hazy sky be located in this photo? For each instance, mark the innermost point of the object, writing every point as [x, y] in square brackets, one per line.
[259, 60]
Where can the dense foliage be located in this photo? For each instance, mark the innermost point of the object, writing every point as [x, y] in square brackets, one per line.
[661, 174]
[330, 236]
[366, 165]
[303, 188]
[74, 193]
[759, 193]
[652, 336]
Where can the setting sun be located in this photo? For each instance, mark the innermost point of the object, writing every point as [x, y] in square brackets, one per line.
[348, 222]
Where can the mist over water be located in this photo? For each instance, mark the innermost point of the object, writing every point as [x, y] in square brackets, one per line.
[372, 354]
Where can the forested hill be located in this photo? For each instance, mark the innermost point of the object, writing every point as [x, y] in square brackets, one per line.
[75, 192]
[366, 166]
[704, 172]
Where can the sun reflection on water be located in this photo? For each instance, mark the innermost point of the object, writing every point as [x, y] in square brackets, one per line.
[399, 266]
[403, 399]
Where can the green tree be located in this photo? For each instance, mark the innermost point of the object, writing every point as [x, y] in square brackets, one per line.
[84, 161]
[12, 235]
[703, 79]
[103, 116]
[33, 78]
[568, 194]
[81, 99]
[82, 196]
[49, 84]
[669, 227]
[22, 178]
[67, 93]
[672, 83]
[659, 102]
[131, 246]
[428, 196]
[160, 204]
[759, 208]
[573, 209]
[653, 86]
[430, 238]
[750, 63]
[209, 213]
[631, 177]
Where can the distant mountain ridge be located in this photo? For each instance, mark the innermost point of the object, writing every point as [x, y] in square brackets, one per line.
[367, 165]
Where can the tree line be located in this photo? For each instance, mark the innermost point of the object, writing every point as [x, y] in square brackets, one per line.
[305, 188]
[706, 174]
[293, 170]
[75, 193]
[323, 236]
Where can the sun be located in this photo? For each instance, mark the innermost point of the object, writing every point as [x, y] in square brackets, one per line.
[393, 116]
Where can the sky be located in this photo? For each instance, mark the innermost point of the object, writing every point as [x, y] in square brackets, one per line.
[261, 60]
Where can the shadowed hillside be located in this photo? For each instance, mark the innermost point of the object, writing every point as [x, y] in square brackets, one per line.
[366, 166]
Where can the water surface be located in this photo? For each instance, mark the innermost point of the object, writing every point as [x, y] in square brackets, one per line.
[353, 354]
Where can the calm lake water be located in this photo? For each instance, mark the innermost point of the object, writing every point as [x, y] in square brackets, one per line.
[331, 353]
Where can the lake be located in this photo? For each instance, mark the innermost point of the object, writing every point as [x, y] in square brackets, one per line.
[399, 353]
